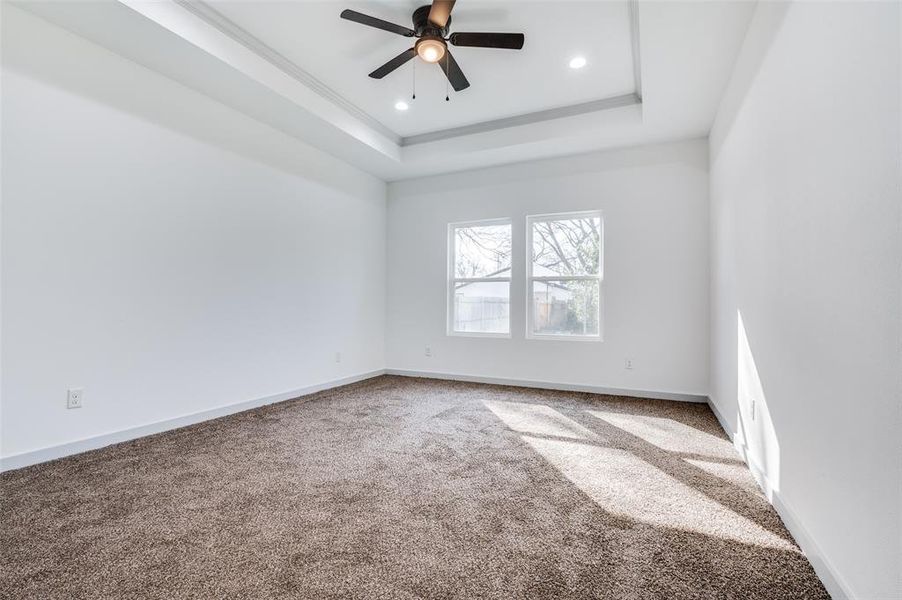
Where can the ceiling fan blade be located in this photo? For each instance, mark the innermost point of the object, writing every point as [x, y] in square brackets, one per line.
[513, 41]
[440, 11]
[353, 15]
[453, 73]
[393, 64]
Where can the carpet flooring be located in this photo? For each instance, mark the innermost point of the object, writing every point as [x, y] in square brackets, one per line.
[407, 488]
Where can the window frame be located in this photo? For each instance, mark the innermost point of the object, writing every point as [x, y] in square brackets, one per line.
[452, 280]
[530, 278]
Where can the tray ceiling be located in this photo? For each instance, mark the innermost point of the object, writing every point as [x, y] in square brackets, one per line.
[504, 83]
[302, 70]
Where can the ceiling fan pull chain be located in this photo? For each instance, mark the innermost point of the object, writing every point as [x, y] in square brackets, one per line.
[414, 80]
[447, 72]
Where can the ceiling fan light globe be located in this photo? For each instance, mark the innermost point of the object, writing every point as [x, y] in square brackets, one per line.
[431, 50]
[430, 54]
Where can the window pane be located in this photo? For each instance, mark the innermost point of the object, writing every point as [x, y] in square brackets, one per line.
[565, 307]
[566, 247]
[482, 307]
[482, 251]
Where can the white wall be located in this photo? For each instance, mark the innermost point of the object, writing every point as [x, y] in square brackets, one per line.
[806, 251]
[165, 252]
[655, 208]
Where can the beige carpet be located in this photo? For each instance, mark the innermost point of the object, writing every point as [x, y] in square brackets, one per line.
[407, 488]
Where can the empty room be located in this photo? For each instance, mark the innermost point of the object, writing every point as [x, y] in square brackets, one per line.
[479, 299]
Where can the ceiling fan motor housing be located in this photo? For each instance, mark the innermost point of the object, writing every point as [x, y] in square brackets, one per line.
[422, 26]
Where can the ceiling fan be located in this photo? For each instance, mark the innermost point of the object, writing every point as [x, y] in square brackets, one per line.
[431, 24]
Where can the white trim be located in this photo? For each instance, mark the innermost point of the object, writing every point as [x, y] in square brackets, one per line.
[837, 586]
[561, 216]
[551, 385]
[480, 279]
[562, 337]
[32, 457]
[227, 27]
[531, 220]
[452, 280]
[634, 46]
[720, 418]
[565, 277]
[539, 116]
[481, 222]
[217, 20]
[477, 334]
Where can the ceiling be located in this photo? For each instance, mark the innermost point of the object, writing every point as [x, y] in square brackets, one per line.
[504, 83]
[655, 72]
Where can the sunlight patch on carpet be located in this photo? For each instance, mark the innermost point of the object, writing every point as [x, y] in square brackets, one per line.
[670, 435]
[627, 486]
[736, 474]
[537, 419]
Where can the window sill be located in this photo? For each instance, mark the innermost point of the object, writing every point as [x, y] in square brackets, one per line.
[565, 338]
[475, 334]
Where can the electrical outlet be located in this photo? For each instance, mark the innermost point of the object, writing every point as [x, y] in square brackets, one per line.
[75, 397]
[428, 351]
[338, 357]
[628, 363]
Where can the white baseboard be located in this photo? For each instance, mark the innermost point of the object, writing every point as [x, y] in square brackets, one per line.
[32, 457]
[832, 580]
[721, 419]
[550, 385]
[836, 585]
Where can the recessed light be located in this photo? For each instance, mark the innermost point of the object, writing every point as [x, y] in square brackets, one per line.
[577, 62]
[401, 105]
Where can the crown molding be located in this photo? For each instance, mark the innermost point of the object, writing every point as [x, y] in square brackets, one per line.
[238, 34]
[637, 56]
[524, 119]
[227, 27]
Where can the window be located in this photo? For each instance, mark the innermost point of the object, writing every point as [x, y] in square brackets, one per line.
[479, 278]
[564, 278]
